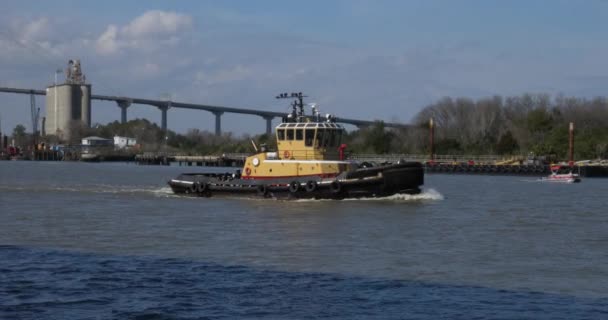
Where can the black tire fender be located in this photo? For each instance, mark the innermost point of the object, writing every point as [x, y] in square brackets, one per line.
[335, 186]
[262, 190]
[311, 186]
[294, 186]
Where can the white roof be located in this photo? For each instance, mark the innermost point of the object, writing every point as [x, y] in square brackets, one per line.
[310, 125]
[95, 138]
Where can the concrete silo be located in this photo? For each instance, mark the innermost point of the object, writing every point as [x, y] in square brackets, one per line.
[68, 104]
[85, 104]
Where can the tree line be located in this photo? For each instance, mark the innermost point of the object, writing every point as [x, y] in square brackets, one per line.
[526, 125]
[520, 125]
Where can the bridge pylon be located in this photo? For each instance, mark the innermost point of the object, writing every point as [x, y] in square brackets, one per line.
[123, 105]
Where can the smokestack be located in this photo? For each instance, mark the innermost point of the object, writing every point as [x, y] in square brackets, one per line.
[571, 145]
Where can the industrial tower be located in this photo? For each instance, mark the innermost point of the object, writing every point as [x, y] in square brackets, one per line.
[68, 104]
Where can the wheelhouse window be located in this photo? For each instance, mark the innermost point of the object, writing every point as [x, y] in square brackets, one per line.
[299, 135]
[332, 138]
[327, 137]
[281, 134]
[319, 138]
[309, 137]
[289, 134]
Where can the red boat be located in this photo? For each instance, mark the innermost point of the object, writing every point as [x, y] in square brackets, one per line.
[568, 177]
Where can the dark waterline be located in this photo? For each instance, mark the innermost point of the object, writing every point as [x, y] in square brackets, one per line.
[470, 246]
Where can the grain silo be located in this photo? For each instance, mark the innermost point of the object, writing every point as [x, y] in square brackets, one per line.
[68, 104]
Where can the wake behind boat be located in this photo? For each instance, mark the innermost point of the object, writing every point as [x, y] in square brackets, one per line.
[309, 163]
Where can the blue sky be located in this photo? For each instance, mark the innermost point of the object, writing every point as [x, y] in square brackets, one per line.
[356, 58]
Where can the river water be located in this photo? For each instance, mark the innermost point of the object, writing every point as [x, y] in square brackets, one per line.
[110, 241]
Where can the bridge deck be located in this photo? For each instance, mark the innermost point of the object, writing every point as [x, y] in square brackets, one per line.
[215, 109]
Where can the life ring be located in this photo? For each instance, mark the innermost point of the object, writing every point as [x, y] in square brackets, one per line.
[311, 186]
[294, 187]
[286, 154]
[247, 171]
[262, 190]
[335, 186]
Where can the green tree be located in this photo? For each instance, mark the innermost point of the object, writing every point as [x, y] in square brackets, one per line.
[378, 138]
[448, 146]
[20, 136]
[539, 120]
[507, 144]
[19, 131]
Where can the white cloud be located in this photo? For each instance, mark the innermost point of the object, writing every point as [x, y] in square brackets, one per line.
[157, 23]
[144, 70]
[36, 41]
[107, 42]
[148, 31]
[37, 30]
[222, 76]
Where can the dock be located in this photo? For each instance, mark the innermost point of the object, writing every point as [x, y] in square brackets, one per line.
[225, 160]
[520, 170]
[487, 164]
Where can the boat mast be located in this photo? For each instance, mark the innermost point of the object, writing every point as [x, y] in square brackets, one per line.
[571, 145]
[298, 104]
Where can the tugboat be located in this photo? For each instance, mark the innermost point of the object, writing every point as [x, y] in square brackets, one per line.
[309, 163]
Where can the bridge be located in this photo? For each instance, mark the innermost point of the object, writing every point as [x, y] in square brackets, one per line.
[164, 105]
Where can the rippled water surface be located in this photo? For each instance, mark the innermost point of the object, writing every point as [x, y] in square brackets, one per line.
[99, 241]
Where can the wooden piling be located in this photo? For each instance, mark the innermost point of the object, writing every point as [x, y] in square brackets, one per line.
[432, 139]
[571, 145]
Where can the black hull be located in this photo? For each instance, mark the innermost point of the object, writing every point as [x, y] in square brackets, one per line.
[381, 181]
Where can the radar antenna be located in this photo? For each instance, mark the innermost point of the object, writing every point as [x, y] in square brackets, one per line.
[297, 104]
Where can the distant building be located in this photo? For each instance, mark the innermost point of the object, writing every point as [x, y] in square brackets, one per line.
[94, 145]
[124, 142]
[97, 142]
